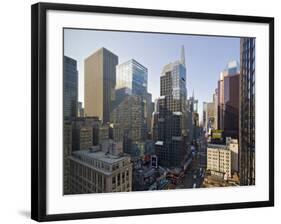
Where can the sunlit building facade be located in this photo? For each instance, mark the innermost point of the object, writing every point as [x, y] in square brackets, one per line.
[96, 171]
[100, 81]
[133, 76]
[228, 100]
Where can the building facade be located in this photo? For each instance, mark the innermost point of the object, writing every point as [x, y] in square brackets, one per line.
[131, 79]
[150, 109]
[219, 159]
[82, 135]
[70, 88]
[210, 116]
[67, 150]
[80, 110]
[247, 112]
[129, 117]
[100, 81]
[215, 100]
[192, 115]
[233, 147]
[228, 100]
[96, 171]
[170, 120]
[132, 75]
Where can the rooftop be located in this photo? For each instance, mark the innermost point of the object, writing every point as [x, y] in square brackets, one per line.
[217, 146]
[100, 155]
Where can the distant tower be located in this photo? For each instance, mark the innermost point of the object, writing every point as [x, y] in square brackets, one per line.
[182, 55]
[193, 93]
[170, 123]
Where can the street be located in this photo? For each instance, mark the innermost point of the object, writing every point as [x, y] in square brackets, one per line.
[194, 175]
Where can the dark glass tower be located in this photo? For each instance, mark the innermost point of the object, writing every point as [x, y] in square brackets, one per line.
[70, 87]
[171, 122]
[247, 112]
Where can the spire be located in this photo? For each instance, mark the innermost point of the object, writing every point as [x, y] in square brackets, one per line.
[182, 55]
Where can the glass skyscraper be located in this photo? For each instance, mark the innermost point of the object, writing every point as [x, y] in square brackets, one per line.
[131, 80]
[70, 87]
[247, 112]
[132, 76]
[170, 119]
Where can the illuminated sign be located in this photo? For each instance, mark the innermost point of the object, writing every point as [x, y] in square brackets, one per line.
[217, 134]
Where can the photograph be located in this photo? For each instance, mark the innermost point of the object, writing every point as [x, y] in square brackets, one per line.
[147, 111]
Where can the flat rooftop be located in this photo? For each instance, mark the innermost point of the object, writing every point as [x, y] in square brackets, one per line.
[100, 155]
[216, 146]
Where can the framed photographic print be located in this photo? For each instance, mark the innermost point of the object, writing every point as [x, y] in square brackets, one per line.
[139, 111]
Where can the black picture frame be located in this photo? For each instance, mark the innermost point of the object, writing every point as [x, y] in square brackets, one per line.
[39, 122]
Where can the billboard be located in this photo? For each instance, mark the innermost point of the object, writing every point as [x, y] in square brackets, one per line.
[217, 134]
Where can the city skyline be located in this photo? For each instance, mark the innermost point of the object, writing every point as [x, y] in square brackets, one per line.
[122, 141]
[153, 51]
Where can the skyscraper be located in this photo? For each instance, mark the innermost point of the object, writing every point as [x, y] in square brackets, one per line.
[128, 115]
[67, 150]
[100, 81]
[247, 112]
[228, 100]
[70, 87]
[132, 75]
[80, 110]
[215, 100]
[82, 135]
[131, 79]
[171, 120]
[150, 109]
[192, 110]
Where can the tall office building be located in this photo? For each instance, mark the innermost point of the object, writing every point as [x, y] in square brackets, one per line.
[132, 75]
[131, 79]
[80, 110]
[228, 100]
[100, 81]
[171, 121]
[209, 115]
[150, 109]
[70, 87]
[192, 110]
[204, 116]
[247, 112]
[215, 100]
[192, 104]
[130, 119]
[82, 135]
[67, 150]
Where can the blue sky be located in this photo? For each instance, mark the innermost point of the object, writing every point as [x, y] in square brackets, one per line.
[205, 56]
